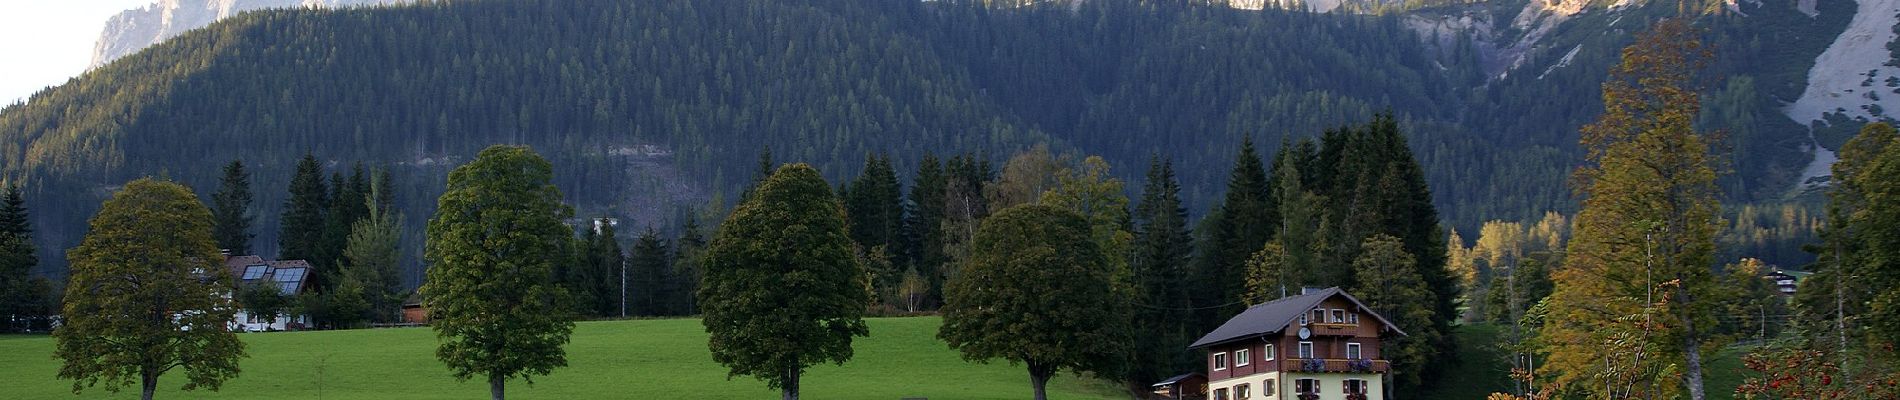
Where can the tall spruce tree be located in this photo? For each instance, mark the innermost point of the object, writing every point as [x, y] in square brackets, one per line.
[928, 196]
[303, 220]
[490, 289]
[687, 263]
[374, 252]
[23, 296]
[231, 209]
[783, 289]
[875, 204]
[1247, 219]
[1161, 251]
[650, 276]
[1638, 270]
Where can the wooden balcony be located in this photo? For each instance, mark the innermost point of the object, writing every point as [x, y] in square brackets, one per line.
[1341, 329]
[1333, 365]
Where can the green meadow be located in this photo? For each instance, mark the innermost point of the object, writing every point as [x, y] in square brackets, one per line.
[637, 359]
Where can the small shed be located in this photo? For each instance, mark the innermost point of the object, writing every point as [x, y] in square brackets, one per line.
[413, 313]
[1188, 386]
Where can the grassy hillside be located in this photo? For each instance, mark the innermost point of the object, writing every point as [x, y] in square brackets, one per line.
[614, 359]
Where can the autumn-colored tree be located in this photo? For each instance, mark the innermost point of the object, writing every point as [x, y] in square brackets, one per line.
[1267, 277]
[1635, 302]
[147, 295]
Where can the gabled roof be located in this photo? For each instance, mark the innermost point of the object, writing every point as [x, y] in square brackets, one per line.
[1275, 315]
[1175, 379]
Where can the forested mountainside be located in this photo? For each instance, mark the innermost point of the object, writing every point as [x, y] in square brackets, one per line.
[651, 107]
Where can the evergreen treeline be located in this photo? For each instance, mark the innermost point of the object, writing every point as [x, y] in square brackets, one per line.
[423, 87]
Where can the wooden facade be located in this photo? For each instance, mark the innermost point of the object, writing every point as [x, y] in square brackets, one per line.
[1324, 340]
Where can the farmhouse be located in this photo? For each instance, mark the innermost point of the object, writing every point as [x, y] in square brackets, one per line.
[290, 277]
[1320, 345]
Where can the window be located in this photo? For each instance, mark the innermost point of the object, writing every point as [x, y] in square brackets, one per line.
[1266, 388]
[1306, 385]
[1319, 315]
[1352, 351]
[1352, 318]
[1355, 386]
[1220, 394]
[253, 272]
[1241, 358]
[1269, 354]
[1220, 361]
[1303, 320]
[1241, 392]
[1306, 349]
[1339, 316]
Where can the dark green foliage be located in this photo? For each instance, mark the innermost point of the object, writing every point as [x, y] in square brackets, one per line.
[301, 226]
[1161, 252]
[23, 296]
[925, 223]
[653, 288]
[875, 205]
[782, 288]
[374, 253]
[263, 301]
[1036, 290]
[491, 289]
[688, 267]
[138, 266]
[231, 207]
[1247, 219]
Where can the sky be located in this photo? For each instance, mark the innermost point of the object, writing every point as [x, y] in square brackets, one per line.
[45, 42]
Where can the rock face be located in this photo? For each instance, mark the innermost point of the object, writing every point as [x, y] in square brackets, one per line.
[136, 29]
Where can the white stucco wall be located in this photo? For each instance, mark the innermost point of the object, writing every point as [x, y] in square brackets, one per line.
[1332, 385]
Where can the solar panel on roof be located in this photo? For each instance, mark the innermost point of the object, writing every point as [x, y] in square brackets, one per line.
[289, 288]
[290, 274]
[254, 272]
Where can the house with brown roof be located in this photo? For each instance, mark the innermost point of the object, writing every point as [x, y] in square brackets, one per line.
[289, 277]
[1320, 345]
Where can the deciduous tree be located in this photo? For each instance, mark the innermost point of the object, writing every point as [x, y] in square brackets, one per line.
[147, 295]
[490, 287]
[783, 289]
[1035, 290]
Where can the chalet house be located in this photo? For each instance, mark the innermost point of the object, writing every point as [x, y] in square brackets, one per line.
[290, 277]
[1320, 345]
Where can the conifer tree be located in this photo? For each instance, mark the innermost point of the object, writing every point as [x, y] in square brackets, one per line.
[231, 207]
[1248, 218]
[650, 266]
[374, 253]
[301, 232]
[23, 296]
[928, 195]
[688, 251]
[1159, 261]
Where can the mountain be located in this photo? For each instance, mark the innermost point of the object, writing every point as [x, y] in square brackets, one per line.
[136, 29]
[648, 108]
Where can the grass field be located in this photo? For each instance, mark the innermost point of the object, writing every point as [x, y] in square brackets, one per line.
[646, 359]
